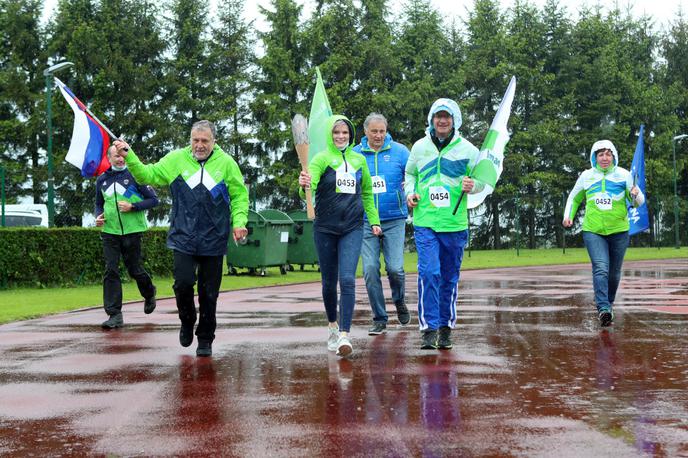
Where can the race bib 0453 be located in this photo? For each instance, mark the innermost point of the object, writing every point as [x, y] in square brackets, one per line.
[346, 183]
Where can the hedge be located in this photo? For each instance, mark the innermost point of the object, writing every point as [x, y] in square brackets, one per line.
[38, 257]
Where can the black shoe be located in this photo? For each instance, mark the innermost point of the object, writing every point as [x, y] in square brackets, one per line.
[186, 334]
[444, 340]
[205, 348]
[149, 305]
[606, 318]
[115, 321]
[403, 314]
[377, 329]
[429, 340]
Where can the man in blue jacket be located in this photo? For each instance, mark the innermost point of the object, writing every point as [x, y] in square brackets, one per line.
[387, 162]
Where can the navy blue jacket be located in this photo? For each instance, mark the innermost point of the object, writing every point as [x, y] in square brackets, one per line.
[390, 163]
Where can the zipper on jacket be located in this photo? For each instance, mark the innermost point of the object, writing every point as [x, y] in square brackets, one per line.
[119, 216]
[376, 197]
[346, 168]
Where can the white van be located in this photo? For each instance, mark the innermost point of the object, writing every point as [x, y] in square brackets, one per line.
[25, 215]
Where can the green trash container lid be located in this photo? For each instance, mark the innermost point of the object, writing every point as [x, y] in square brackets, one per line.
[298, 216]
[255, 217]
[275, 216]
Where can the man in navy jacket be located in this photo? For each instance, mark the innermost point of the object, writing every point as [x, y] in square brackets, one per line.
[387, 162]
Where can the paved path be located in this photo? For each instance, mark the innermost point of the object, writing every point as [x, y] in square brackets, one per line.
[531, 375]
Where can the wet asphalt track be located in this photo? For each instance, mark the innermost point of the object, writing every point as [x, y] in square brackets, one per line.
[531, 374]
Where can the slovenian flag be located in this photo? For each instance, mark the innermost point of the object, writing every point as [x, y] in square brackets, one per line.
[88, 150]
[489, 168]
[317, 121]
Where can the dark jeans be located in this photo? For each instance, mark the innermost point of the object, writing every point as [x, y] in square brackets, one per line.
[338, 258]
[209, 278]
[606, 253]
[129, 248]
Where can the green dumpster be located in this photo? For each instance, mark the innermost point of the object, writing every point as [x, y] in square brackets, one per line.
[301, 250]
[265, 246]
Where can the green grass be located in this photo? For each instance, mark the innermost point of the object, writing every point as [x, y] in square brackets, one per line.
[23, 303]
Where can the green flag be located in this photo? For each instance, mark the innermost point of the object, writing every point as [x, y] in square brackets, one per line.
[320, 111]
[489, 167]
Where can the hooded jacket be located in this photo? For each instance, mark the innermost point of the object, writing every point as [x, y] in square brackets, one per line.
[119, 186]
[387, 168]
[436, 175]
[202, 196]
[605, 192]
[342, 184]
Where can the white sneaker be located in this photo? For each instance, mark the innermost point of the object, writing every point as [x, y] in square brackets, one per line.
[344, 348]
[332, 338]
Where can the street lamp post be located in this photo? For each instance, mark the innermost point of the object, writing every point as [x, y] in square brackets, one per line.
[48, 73]
[674, 140]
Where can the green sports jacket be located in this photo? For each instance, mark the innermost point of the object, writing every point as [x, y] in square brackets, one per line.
[202, 195]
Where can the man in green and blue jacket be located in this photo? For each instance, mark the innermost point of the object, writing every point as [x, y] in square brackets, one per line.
[437, 172]
[205, 183]
[120, 210]
[387, 163]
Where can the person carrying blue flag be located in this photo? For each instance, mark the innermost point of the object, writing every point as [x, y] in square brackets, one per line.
[605, 188]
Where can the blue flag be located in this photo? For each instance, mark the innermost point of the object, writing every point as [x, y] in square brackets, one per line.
[638, 216]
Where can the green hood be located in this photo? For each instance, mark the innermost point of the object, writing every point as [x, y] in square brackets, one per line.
[330, 125]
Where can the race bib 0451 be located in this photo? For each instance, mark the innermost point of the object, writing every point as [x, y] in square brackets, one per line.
[379, 185]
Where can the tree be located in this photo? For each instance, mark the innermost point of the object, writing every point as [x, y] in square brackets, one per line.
[280, 88]
[117, 74]
[188, 95]
[419, 46]
[21, 98]
[487, 74]
[230, 59]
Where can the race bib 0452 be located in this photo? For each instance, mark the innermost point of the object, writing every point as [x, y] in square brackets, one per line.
[603, 201]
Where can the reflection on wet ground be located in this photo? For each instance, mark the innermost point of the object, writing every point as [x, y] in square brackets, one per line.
[531, 372]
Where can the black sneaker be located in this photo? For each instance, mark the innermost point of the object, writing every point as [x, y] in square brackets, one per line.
[606, 318]
[444, 340]
[429, 340]
[186, 334]
[377, 329]
[205, 348]
[149, 305]
[115, 321]
[403, 314]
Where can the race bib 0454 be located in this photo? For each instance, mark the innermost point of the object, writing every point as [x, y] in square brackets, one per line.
[439, 196]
